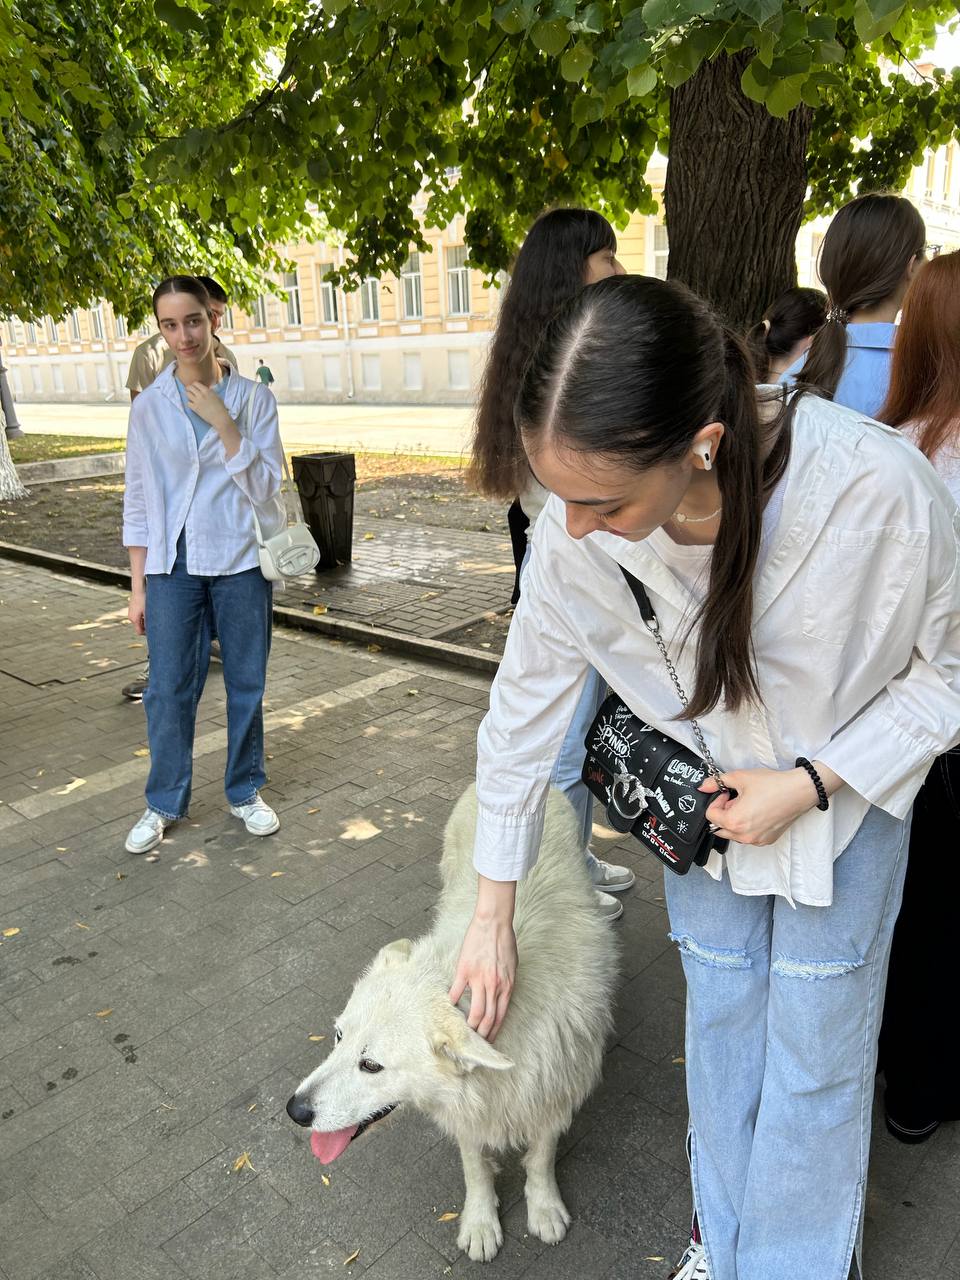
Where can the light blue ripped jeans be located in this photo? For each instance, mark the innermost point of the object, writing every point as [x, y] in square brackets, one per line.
[569, 766]
[783, 1014]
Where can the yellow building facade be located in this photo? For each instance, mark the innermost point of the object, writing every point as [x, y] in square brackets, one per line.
[419, 337]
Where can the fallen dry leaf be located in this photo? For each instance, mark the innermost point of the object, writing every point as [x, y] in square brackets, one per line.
[353, 1257]
[654, 1258]
[243, 1162]
[412, 693]
[678, 1062]
[103, 1013]
[142, 751]
[369, 537]
[448, 1217]
[121, 875]
[80, 925]
[316, 1038]
[319, 610]
[374, 648]
[252, 1106]
[317, 810]
[10, 933]
[152, 857]
[61, 848]
[274, 874]
[324, 1179]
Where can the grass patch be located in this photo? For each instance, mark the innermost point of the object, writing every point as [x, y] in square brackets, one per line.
[44, 448]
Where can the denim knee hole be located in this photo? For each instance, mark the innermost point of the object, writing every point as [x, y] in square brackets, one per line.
[813, 970]
[713, 957]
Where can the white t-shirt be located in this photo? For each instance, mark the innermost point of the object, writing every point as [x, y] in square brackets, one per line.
[946, 463]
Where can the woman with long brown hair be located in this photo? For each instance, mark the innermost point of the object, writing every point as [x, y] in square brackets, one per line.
[869, 255]
[923, 1085]
[563, 251]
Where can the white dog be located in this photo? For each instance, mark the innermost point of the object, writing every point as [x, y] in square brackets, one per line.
[401, 1041]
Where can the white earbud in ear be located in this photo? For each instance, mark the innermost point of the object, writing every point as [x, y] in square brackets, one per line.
[703, 450]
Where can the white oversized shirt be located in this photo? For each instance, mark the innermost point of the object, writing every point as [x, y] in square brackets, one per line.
[857, 634]
[173, 484]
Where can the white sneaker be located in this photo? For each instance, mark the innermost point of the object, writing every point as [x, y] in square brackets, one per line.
[609, 907]
[693, 1265]
[258, 817]
[148, 832]
[609, 877]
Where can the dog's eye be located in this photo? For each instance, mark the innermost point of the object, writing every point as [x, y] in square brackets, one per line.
[367, 1064]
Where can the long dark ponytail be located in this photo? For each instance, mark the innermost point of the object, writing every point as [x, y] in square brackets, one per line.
[795, 315]
[547, 271]
[863, 261]
[632, 369]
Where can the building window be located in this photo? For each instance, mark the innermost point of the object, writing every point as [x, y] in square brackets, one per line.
[259, 313]
[291, 285]
[144, 330]
[123, 369]
[328, 295]
[458, 281]
[948, 172]
[17, 382]
[661, 250]
[412, 281]
[81, 378]
[412, 371]
[30, 330]
[331, 374]
[96, 322]
[294, 373]
[75, 325]
[12, 332]
[227, 322]
[816, 244]
[101, 373]
[57, 371]
[370, 372]
[930, 175]
[120, 325]
[458, 370]
[52, 336]
[370, 299]
[37, 374]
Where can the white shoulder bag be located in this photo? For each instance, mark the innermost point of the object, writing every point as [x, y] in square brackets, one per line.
[293, 550]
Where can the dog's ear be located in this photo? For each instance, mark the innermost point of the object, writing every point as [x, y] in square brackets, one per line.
[392, 954]
[459, 1044]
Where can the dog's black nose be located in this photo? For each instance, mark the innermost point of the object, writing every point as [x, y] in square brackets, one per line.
[300, 1111]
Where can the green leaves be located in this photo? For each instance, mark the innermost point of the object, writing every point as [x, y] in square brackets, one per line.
[641, 81]
[178, 16]
[576, 62]
[874, 18]
[550, 37]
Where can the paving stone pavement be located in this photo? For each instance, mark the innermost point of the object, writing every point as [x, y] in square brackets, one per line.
[155, 1015]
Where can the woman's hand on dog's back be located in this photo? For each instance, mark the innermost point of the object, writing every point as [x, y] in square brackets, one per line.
[488, 957]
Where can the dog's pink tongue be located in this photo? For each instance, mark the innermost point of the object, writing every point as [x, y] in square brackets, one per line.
[327, 1146]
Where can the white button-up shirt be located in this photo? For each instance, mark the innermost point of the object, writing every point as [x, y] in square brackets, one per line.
[857, 634]
[173, 484]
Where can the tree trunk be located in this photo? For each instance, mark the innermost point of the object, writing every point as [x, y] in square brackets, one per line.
[735, 187]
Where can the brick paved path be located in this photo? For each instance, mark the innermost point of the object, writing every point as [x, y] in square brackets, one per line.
[155, 1016]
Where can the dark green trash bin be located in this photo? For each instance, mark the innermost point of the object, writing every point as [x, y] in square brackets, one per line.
[326, 482]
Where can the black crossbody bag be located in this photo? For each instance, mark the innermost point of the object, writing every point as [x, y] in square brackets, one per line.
[649, 782]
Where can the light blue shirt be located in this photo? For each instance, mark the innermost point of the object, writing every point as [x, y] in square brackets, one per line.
[174, 483]
[866, 375]
[200, 427]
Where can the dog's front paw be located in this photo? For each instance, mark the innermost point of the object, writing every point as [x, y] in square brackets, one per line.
[547, 1219]
[481, 1238]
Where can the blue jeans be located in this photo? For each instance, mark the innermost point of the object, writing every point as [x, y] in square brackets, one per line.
[783, 1013]
[569, 766]
[183, 610]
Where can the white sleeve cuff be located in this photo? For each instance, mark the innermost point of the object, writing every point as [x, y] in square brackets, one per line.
[506, 845]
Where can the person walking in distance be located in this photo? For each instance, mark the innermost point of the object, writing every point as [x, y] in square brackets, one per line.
[203, 450]
[805, 633]
[149, 359]
[265, 374]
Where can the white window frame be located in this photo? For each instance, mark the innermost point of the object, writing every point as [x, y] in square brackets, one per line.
[36, 374]
[659, 253]
[412, 359]
[12, 336]
[96, 322]
[370, 300]
[371, 360]
[75, 325]
[459, 353]
[411, 287]
[227, 322]
[291, 286]
[57, 371]
[332, 362]
[458, 280]
[30, 333]
[295, 380]
[53, 333]
[120, 326]
[259, 313]
[329, 308]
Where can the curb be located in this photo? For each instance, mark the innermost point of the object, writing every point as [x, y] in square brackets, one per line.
[339, 629]
[86, 467]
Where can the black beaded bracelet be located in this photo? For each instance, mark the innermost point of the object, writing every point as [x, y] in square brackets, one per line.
[823, 802]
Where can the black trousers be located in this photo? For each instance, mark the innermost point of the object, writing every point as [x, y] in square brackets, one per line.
[917, 1048]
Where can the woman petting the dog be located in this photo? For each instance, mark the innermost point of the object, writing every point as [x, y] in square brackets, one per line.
[800, 567]
[564, 250]
[193, 479]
